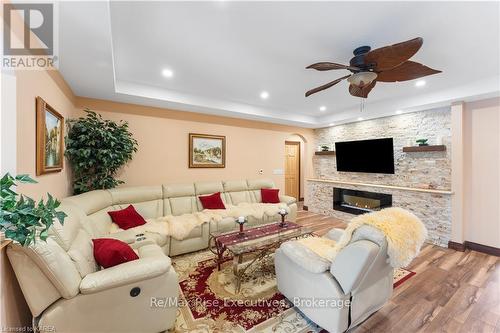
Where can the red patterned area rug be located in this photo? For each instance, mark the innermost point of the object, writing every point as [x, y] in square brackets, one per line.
[208, 302]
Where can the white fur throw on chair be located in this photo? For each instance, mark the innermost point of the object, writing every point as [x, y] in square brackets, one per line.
[404, 232]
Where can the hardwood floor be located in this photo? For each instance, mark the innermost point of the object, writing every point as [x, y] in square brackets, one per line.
[452, 291]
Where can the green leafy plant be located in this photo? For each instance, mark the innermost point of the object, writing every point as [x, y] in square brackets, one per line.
[21, 218]
[422, 142]
[97, 149]
[325, 148]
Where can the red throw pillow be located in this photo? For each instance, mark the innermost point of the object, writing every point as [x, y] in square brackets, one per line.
[212, 201]
[127, 218]
[270, 195]
[110, 252]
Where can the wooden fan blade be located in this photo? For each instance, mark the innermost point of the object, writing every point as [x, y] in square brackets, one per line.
[408, 70]
[325, 86]
[392, 56]
[361, 92]
[326, 66]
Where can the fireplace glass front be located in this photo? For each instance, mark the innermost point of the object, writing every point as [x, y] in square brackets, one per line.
[359, 202]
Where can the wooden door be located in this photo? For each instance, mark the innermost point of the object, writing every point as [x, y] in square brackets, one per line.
[292, 169]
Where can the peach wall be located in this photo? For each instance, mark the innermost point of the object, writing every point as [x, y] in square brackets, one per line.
[48, 85]
[482, 172]
[163, 145]
[457, 172]
[162, 155]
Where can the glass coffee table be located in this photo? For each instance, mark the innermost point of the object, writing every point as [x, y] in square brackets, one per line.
[260, 242]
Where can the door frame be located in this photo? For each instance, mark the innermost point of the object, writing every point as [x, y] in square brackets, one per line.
[296, 143]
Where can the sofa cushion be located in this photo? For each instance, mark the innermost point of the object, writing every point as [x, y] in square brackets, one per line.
[128, 195]
[236, 198]
[255, 185]
[183, 205]
[235, 185]
[226, 224]
[57, 266]
[270, 195]
[82, 254]
[99, 223]
[92, 202]
[127, 218]
[212, 201]
[110, 252]
[64, 234]
[208, 187]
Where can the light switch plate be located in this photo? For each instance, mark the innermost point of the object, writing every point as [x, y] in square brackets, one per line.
[277, 171]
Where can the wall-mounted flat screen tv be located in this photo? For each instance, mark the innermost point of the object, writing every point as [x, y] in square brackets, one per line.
[373, 156]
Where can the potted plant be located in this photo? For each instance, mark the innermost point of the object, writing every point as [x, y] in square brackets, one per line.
[97, 149]
[325, 148]
[422, 142]
[21, 218]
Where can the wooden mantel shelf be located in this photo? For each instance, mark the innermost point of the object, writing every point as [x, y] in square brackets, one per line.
[329, 152]
[424, 148]
[414, 189]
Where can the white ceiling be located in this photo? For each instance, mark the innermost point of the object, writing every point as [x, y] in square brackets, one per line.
[223, 54]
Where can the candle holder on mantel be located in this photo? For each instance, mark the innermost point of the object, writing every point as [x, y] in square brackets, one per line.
[283, 213]
[241, 221]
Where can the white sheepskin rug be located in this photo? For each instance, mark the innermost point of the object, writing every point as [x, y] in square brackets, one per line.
[404, 232]
[179, 227]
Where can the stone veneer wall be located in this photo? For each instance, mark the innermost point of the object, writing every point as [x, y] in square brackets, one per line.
[420, 169]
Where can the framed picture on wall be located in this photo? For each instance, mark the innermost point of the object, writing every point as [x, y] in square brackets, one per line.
[207, 151]
[49, 138]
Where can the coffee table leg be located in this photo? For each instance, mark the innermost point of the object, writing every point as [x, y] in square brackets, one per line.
[236, 261]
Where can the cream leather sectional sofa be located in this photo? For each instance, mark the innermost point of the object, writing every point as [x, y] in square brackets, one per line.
[169, 199]
[65, 289]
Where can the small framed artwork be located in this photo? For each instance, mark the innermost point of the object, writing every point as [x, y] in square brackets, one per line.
[49, 138]
[207, 151]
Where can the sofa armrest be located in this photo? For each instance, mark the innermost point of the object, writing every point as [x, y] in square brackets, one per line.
[335, 234]
[137, 245]
[124, 236]
[352, 262]
[304, 257]
[287, 199]
[151, 263]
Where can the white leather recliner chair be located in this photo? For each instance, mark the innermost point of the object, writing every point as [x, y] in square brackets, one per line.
[360, 274]
[66, 292]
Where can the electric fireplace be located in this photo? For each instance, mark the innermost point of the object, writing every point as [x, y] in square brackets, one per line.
[359, 202]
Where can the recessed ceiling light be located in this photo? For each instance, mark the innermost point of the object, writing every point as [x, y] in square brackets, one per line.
[399, 111]
[360, 118]
[264, 95]
[167, 72]
[322, 108]
[420, 83]
[331, 124]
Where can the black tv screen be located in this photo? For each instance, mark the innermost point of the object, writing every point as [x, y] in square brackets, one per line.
[374, 156]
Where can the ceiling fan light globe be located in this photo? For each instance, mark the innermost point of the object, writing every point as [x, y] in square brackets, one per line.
[362, 79]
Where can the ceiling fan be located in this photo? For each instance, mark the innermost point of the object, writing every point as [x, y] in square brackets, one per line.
[385, 64]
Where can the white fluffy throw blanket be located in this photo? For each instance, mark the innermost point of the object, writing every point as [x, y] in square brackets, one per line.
[180, 226]
[404, 232]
